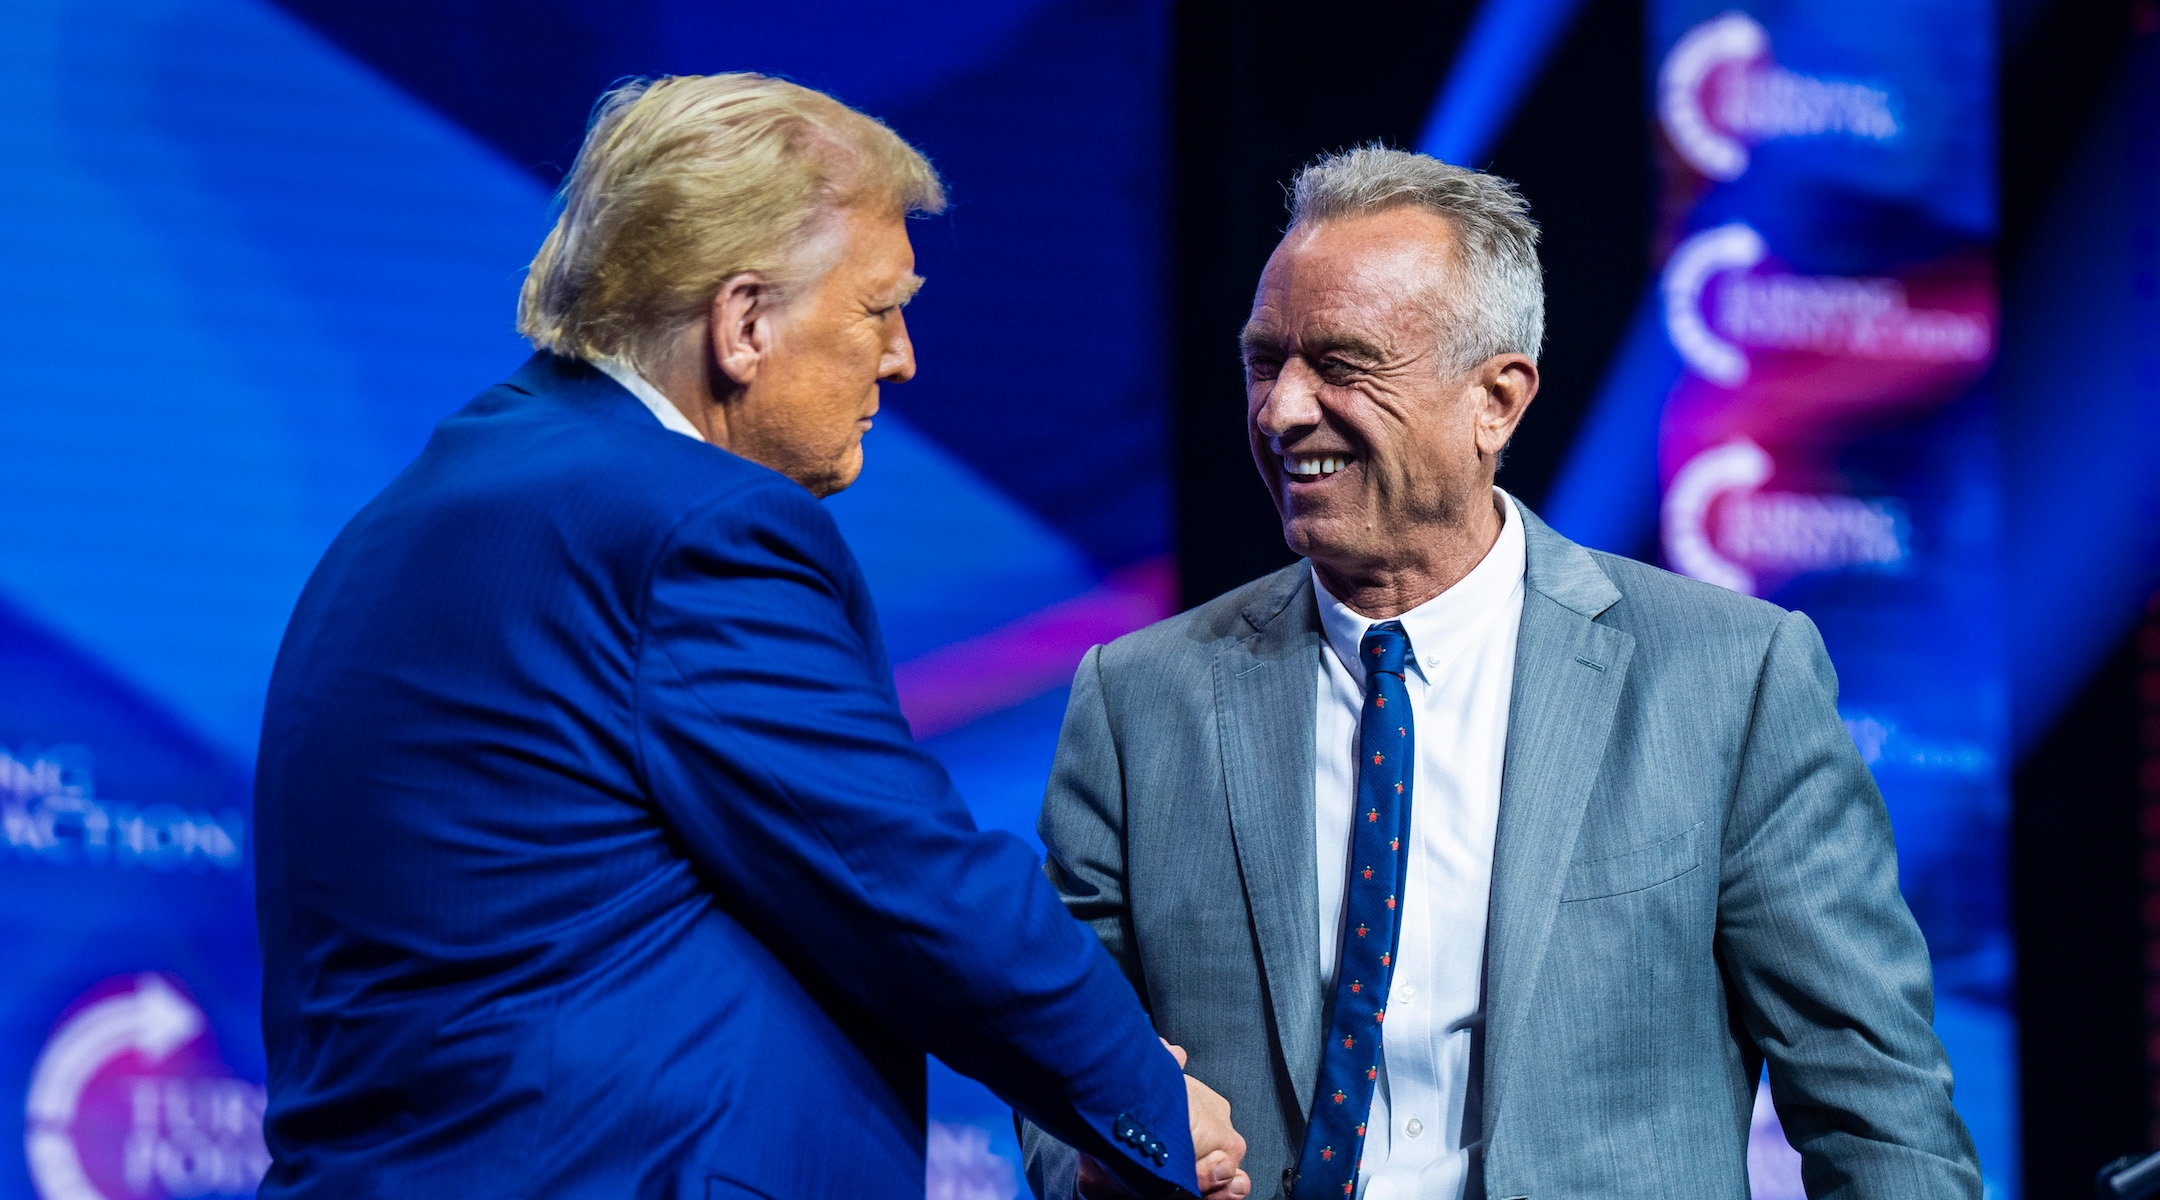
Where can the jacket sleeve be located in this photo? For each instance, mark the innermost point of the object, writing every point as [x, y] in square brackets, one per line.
[1829, 970]
[771, 739]
[1083, 831]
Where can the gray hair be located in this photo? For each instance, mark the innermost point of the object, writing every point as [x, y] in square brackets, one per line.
[1497, 304]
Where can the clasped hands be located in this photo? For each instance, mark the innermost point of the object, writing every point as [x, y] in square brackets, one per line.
[1218, 1149]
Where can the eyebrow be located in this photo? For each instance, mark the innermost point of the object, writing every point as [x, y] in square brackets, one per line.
[1336, 342]
[908, 287]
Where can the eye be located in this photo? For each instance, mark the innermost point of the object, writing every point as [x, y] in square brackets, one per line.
[1262, 366]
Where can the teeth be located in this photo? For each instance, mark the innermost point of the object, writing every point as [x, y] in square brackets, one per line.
[1315, 465]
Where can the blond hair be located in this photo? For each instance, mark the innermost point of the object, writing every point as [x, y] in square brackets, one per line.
[687, 181]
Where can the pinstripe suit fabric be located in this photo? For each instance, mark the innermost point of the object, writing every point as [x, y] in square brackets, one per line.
[1693, 873]
[595, 858]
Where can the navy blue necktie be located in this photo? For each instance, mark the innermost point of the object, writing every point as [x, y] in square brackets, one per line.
[1372, 908]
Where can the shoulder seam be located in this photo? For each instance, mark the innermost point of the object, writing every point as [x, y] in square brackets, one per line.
[644, 602]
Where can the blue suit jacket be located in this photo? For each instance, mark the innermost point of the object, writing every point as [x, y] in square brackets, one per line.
[595, 858]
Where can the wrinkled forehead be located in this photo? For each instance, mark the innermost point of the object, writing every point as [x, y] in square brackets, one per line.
[1373, 278]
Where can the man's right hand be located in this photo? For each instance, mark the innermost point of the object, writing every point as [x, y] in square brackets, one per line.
[1217, 1147]
[1216, 1144]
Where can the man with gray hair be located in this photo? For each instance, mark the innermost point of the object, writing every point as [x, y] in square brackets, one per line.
[1587, 841]
[594, 857]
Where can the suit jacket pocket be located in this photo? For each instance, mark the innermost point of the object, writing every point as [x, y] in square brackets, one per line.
[1634, 870]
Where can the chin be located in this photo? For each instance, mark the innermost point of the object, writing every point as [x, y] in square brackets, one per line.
[841, 477]
[1320, 538]
[1299, 534]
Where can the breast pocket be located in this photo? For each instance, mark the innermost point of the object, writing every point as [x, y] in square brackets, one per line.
[1635, 870]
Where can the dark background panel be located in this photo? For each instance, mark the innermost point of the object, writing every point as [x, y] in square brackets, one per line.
[2075, 885]
[1257, 91]
[2075, 890]
[1244, 120]
[1579, 148]
[2060, 58]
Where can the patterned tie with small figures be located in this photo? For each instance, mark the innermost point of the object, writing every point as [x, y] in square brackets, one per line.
[1372, 907]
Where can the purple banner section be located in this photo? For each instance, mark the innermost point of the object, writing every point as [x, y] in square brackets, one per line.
[958, 683]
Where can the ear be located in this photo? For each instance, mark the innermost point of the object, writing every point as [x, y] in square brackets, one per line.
[1506, 385]
[741, 320]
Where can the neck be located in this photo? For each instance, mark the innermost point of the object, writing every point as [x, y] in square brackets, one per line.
[1427, 565]
[686, 378]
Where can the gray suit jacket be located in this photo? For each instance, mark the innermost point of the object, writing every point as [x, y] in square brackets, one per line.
[1693, 873]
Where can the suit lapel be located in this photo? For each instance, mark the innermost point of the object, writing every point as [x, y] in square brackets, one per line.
[1569, 673]
[1265, 689]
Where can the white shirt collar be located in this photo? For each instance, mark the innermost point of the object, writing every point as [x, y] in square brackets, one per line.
[1443, 627]
[649, 396]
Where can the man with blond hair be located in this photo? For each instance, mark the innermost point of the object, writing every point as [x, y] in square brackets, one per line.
[1467, 862]
[595, 857]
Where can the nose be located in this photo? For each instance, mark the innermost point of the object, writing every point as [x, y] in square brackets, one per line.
[1290, 403]
[898, 362]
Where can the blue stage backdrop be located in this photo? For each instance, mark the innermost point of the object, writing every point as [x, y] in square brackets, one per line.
[250, 254]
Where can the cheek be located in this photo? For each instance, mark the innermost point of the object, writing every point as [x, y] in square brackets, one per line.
[1438, 436]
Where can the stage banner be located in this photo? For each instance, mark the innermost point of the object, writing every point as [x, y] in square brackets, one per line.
[1825, 232]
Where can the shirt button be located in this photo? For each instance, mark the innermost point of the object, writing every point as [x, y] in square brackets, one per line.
[1405, 994]
[1413, 1127]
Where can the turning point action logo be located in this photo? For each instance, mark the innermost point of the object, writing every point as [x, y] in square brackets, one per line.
[1720, 94]
[130, 1101]
[1721, 303]
[1720, 527]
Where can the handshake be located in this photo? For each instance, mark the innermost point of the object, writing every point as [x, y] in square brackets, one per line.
[1218, 1149]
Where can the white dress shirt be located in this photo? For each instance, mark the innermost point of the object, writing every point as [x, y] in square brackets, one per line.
[1424, 1127]
[649, 396]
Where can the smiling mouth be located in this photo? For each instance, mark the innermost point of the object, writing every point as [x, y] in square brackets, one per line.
[1307, 468]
